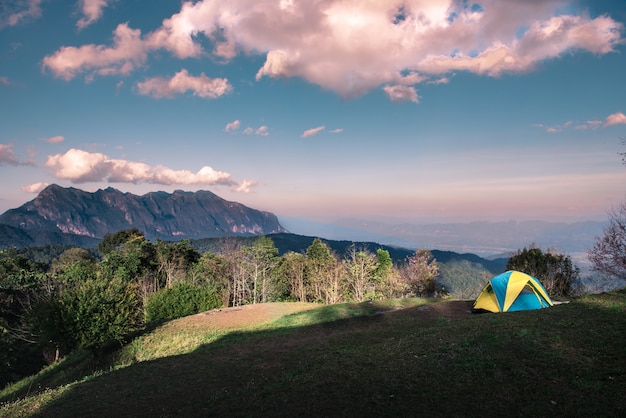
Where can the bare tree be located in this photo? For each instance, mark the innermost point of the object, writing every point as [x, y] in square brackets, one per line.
[360, 267]
[608, 254]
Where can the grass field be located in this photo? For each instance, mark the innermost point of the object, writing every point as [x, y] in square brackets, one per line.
[406, 357]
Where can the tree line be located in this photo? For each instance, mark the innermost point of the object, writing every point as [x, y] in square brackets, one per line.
[88, 299]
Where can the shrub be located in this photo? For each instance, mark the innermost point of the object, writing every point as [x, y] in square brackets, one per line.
[180, 300]
[89, 314]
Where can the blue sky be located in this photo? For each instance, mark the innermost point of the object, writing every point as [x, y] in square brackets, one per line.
[421, 111]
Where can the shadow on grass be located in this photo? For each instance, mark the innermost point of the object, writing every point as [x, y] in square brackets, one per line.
[567, 360]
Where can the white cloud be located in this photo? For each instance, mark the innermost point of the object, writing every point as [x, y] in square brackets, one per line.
[336, 131]
[13, 13]
[34, 188]
[313, 131]
[248, 131]
[91, 10]
[80, 166]
[5, 81]
[233, 126]
[615, 119]
[352, 47]
[201, 86]
[54, 139]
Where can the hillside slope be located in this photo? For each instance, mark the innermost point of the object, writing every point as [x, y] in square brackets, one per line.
[371, 359]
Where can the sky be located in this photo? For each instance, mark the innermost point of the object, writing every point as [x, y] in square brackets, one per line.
[408, 111]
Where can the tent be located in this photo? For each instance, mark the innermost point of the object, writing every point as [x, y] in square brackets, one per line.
[512, 291]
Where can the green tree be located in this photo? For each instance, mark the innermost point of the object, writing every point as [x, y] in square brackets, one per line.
[419, 273]
[608, 255]
[89, 314]
[213, 271]
[21, 287]
[133, 260]
[175, 259]
[114, 241]
[555, 271]
[320, 267]
[73, 265]
[387, 276]
[291, 281]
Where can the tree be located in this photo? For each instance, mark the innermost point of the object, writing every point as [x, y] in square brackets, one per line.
[291, 278]
[360, 266]
[319, 265]
[89, 314]
[420, 272]
[114, 241]
[21, 287]
[174, 259]
[133, 260]
[555, 271]
[213, 271]
[262, 257]
[72, 266]
[608, 254]
[386, 275]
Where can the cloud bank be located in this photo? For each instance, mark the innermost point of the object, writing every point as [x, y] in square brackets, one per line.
[353, 47]
[80, 166]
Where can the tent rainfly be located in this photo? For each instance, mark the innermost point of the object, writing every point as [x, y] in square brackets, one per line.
[512, 291]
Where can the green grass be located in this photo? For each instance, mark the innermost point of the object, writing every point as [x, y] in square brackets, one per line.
[351, 360]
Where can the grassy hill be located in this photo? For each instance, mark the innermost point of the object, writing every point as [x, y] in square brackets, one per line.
[402, 357]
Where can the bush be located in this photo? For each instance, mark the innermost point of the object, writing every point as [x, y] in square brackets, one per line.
[555, 271]
[180, 300]
[88, 315]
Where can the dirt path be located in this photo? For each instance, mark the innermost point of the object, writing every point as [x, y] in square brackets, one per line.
[251, 315]
[244, 316]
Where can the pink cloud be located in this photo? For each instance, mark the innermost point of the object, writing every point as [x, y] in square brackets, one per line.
[615, 119]
[19, 11]
[233, 126]
[399, 93]
[127, 53]
[201, 86]
[34, 188]
[313, 131]
[91, 10]
[80, 166]
[9, 157]
[54, 139]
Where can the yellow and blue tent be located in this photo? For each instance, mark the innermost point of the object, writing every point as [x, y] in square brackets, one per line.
[512, 291]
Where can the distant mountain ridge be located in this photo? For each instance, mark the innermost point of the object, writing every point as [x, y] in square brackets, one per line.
[68, 215]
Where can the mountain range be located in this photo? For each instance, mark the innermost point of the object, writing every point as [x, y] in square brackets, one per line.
[61, 215]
